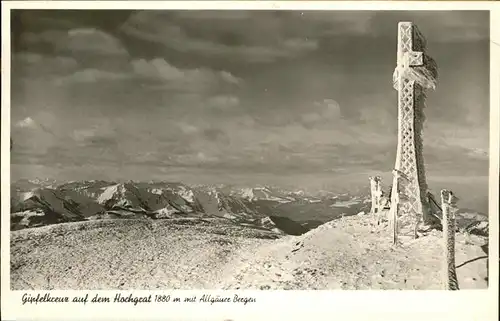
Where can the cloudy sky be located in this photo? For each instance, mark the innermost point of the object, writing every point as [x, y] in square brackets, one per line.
[238, 96]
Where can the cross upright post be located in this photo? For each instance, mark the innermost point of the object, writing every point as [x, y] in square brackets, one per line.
[414, 73]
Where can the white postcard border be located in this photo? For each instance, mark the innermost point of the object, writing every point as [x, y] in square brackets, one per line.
[286, 305]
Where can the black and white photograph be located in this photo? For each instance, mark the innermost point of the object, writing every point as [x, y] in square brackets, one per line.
[249, 149]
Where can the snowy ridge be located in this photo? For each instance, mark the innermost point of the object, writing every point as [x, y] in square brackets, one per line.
[262, 206]
[96, 199]
[264, 193]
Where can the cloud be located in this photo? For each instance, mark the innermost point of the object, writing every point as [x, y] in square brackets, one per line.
[101, 130]
[169, 105]
[214, 14]
[451, 26]
[327, 110]
[158, 68]
[32, 138]
[440, 26]
[223, 102]
[82, 135]
[479, 153]
[27, 58]
[155, 74]
[378, 116]
[300, 45]
[467, 26]
[197, 159]
[34, 65]
[80, 40]
[49, 19]
[101, 142]
[97, 145]
[52, 37]
[190, 80]
[330, 23]
[188, 128]
[229, 78]
[249, 37]
[90, 76]
[28, 122]
[216, 135]
[93, 40]
[445, 138]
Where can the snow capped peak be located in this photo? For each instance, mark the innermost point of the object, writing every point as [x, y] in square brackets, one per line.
[247, 193]
[42, 181]
[156, 191]
[121, 195]
[299, 193]
[108, 194]
[186, 194]
[212, 191]
[267, 220]
[26, 196]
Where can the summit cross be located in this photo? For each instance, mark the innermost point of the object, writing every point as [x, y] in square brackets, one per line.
[415, 72]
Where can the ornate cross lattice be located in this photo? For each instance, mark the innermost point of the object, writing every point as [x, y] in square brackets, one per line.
[414, 72]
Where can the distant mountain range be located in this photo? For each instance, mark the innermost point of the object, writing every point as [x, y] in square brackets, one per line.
[42, 202]
[37, 203]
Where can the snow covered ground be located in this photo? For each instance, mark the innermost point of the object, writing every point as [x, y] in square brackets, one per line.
[348, 253]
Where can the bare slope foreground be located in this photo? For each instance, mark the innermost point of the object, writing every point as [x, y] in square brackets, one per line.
[212, 253]
[128, 254]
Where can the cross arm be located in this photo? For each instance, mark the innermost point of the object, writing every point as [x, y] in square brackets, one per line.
[412, 61]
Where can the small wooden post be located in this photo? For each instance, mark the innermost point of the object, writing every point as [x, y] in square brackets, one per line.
[449, 269]
[393, 216]
[373, 190]
[376, 193]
